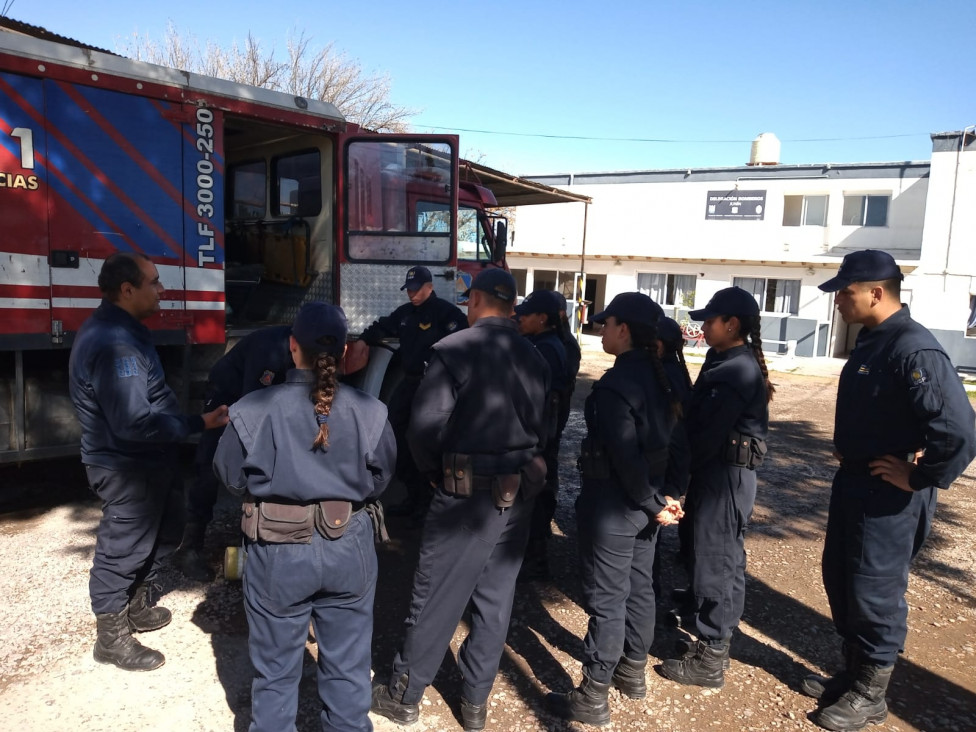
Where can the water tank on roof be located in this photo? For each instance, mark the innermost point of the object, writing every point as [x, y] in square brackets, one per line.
[765, 150]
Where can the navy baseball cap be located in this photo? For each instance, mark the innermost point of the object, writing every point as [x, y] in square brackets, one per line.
[540, 301]
[631, 307]
[320, 328]
[668, 331]
[416, 278]
[730, 301]
[562, 301]
[867, 265]
[496, 282]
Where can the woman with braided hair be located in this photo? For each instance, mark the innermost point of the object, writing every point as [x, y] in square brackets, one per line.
[629, 417]
[309, 454]
[727, 422]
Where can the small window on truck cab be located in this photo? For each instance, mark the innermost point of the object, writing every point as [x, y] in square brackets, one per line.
[246, 190]
[298, 184]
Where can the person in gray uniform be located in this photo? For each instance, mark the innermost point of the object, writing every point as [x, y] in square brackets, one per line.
[309, 456]
[477, 431]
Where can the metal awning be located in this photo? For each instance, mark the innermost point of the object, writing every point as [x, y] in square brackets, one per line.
[510, 190]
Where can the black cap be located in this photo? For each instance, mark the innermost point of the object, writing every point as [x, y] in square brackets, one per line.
[631, 307]
[540, 301]
[730, 301]
[416, 278]
[668, 331]
[496, 282]
[320, 328]
[867, 265]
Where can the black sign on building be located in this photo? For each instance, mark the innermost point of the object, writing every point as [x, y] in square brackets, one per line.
[741, 205]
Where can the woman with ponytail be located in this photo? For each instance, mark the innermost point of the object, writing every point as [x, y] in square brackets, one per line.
[309, 454]
[629, 417]
[727, 422]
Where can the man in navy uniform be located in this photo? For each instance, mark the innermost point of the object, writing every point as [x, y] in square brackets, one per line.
[418, 325]
[477, 429]
[130, 427]
[260, 359]
[903, 430]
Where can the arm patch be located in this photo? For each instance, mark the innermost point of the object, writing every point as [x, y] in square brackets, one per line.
[126, 367]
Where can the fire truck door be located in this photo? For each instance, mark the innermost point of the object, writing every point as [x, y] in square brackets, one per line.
[25, 303]
[116, 184]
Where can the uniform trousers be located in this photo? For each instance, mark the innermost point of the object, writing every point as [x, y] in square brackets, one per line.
[616, 545]
[139, 528]
[400, 407]
[332, 583]
[874, 530]
[201, 497]
[721, 498]
[470, 550]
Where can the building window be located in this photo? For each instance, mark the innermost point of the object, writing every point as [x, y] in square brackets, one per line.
[773, 295]
[866, 210]
[804, 210]
[971, 323]
[668, 289]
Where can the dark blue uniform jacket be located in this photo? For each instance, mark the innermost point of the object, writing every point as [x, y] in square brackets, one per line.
[629, 414]
[730, 394]
[552, 349]
[267, 447]
[128, 414]
[679, 449]
[259, 359]
[418, 328]
[899, 393]
[484, 395]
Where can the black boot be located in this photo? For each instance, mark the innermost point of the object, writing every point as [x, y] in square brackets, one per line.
[702, 667]
[143, 616]
[116, 645]
[860, 706]
[687, 648]
[389, 703]
[629, 678]
[473, 716]
[586, 704]
[189, 557]
[829, 689]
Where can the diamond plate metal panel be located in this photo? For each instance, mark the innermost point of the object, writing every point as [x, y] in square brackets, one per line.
[371, 290]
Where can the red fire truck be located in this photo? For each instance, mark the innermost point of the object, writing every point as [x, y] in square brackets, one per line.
[250, 203]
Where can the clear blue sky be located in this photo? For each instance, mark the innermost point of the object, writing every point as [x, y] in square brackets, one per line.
[836, 81]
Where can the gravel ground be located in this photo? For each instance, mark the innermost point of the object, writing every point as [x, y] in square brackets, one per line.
[49, 681]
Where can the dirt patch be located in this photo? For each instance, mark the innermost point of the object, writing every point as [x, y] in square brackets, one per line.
[48, 680]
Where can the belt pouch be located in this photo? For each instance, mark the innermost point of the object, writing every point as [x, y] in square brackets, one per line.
[332, 518]
[504, 489]
[757, 452]
[285, 523]
[593, 460]
[458, 476]
[249, 518]
[737, 449]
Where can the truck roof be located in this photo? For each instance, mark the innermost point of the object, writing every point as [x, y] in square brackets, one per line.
[27, 41]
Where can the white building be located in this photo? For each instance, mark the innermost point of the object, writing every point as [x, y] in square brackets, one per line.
[776, 230]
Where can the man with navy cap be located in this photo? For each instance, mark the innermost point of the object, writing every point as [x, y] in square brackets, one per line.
[904, 428]
[418, 325]
[477, 430]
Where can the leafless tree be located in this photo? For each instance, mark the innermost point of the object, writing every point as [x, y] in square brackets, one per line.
[314, 73]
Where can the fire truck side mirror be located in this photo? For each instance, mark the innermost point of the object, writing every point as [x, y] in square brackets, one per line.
[501, 241]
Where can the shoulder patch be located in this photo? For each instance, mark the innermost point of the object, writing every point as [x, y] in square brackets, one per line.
[126, 366]
[424, 326]
[865, 370]
[451, 326]
[267, 378]
[919, 376]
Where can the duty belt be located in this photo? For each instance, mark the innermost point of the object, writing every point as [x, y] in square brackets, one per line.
[861, 466]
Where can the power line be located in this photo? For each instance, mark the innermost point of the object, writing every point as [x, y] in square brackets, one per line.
[662, 140]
